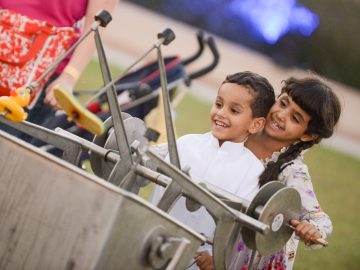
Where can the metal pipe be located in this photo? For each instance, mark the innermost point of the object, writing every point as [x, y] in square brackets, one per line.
[34, 84]
[118, 123]
[71, 149]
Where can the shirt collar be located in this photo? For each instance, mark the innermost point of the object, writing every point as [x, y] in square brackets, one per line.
[227, 146]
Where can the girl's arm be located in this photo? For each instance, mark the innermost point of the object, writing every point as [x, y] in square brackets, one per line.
[204, 260]
[82, 54]
[312, 217]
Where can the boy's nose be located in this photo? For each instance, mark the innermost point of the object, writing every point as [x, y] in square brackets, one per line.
[221, 113]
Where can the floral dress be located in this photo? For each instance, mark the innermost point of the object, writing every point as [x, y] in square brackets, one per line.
[294, 174]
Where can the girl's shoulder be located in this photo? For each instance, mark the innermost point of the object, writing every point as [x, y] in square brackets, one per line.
[295, 168]
[296, 164]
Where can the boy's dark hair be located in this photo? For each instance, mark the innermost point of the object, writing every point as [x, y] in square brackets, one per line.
[260, 89]
[319, 101]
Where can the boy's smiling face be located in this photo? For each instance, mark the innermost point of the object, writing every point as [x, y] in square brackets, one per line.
[231, 114]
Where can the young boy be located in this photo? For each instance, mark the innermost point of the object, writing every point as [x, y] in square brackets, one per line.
[219, 157]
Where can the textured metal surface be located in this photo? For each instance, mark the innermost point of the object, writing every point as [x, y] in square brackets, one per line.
[64, 218]
[274, 205]
[135, 129]
[96, 159]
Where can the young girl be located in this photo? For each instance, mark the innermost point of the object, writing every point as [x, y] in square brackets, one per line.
[306, 112]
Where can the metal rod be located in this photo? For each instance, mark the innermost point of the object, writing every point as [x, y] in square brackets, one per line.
[109, 84]
[141, 170]
[119, 130]
[71, 149]
[93, 27]
[252, 258]
[176, 258]
[173, 191]
[173, 152]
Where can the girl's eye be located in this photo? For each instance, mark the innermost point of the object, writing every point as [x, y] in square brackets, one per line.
[235, 110]
[296, 119]
[218, 105]
[282, 103]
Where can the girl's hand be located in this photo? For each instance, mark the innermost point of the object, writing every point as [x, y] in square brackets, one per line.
[204, 260]
[305, 231]
[65, 81]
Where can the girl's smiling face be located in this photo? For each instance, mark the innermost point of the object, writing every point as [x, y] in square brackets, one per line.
[287, 121]
[231, 114]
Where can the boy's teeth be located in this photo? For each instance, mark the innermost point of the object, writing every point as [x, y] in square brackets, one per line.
[220, 124]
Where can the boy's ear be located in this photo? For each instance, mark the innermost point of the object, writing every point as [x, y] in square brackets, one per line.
[308, 137]
[256, 125]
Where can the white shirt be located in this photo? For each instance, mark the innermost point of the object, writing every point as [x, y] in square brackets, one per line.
[231, 167]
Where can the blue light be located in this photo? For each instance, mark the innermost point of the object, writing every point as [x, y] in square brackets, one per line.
[267, 20]
[307, 21]
[272, 19]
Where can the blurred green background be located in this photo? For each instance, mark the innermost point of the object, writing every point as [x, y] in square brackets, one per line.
[336, 179]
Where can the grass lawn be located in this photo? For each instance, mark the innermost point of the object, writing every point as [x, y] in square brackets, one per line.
[336, 179]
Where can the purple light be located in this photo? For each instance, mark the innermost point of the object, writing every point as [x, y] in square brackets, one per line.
[272, 19]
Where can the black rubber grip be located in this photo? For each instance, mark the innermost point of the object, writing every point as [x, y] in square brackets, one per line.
[104, 17]
[168, 35]
[152, 135]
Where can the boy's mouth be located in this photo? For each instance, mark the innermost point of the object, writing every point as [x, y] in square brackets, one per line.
[221, 124]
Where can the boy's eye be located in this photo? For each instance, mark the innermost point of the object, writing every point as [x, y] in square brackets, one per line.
[218, 105]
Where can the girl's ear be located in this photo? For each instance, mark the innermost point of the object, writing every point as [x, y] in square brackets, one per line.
[256, 125]
[308, 137]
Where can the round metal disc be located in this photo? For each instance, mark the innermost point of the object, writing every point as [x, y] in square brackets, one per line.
[95, 159]
[283, 206]
[260, 199]
[135, 129]
[151, 246]
[274, 205]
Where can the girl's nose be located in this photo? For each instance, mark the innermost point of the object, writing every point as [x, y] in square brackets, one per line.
[281, 114]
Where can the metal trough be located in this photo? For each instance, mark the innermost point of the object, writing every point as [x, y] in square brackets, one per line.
[55, 216]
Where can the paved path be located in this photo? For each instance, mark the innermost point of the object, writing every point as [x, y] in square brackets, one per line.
[133, 31]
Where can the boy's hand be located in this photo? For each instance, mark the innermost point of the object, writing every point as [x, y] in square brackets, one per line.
[204, 260]
[305, 231]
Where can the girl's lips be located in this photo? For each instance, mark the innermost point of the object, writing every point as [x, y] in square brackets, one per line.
[276, 125]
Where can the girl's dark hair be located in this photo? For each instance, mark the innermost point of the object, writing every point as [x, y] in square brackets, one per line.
[320, 102]
[260, 89]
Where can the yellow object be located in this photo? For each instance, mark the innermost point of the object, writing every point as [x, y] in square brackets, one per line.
[21, 96]
[12, 110]
[12, 106]
[77, 112]
[155, 119]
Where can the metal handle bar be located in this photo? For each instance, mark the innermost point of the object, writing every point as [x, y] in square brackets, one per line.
[211, 66]
[197, 54]
[102, 18]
